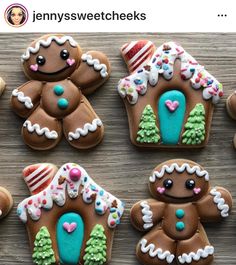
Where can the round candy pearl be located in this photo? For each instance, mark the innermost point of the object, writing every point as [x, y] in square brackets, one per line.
[62, 103]
[58, 90]
[180, 226]
[179, 213]
[75, 174]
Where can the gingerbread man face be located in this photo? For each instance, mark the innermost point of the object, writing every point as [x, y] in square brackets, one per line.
[173, 183]
[51, 58]
[53, 100]
[183, 200]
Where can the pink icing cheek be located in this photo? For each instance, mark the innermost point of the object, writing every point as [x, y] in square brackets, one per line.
[197, 190]
[161, 190]
[34, 67]
[70, 62]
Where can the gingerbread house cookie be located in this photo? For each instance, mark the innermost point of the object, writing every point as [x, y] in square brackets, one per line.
[53, 102]
[169, 97]
[70, 219]
[182, 200]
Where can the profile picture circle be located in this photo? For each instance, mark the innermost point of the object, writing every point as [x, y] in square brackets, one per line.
[16, 15]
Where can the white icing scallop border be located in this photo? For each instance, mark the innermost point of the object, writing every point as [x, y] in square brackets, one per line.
[220, 202]
[180, 169]
[22, 98]
[47, 43]
[196, 256]
[147, 215]
[153, 252]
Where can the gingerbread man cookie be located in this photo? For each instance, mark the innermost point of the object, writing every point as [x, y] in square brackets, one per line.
[70, 219]
[53, 101]
[231, 109]
[169, 97]
[183, 199]
[6, 202]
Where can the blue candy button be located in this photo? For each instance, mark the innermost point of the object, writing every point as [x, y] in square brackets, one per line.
[179, 213]
[62, 103]
[180, 226]
[58, 90]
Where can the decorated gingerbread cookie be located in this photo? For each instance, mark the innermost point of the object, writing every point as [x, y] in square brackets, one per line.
[182, 200]
[169, 96]
[53, 101]
[70, 219]
[6, 202]
[2, 86]
[231, 109]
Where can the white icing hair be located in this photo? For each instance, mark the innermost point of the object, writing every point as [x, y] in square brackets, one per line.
[180, 169]
[46, 43]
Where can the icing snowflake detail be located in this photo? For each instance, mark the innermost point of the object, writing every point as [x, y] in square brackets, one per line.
[162, 63]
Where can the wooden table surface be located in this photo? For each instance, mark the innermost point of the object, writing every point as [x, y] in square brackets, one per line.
[116, 164]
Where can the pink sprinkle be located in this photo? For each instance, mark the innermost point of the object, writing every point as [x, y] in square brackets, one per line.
[179, 53]
[183, 70]
[25, 205]
[59, 187]
[52, 187]
[44, 193]
[38, 212]
[39, 200]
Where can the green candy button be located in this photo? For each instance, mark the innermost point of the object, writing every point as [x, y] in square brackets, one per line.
[180, 226]
[58, 90]
[62, 103]
[179, 213]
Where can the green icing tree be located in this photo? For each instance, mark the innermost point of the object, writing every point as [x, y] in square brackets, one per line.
[148, 131]
[43, 253]
[95, 251]
[195, 126]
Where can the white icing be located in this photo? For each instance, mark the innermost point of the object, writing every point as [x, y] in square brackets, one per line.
[179, 168]
[88, 127]
[40, 131]
[22, 98]
[153, 252]
[56, 193]
[220, 202]
[196, 256]
[162, 63]
[147, 215]
[47, 43]
[96, 64]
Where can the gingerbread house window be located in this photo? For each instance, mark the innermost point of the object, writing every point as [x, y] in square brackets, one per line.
[169, 96]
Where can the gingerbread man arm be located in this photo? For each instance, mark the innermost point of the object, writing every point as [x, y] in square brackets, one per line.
[92, 72]
[215, 205]
[26, 98]
[146, 213]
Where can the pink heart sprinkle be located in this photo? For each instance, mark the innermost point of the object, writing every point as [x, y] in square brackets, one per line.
[172, 105]
[69, 227]
[70, 62]
[161, 189]
[34, 67]
[197, 190]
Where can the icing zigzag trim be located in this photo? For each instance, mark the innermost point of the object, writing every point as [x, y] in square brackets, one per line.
[159, 253]
[221, 205]
[88, 127]
[40, 131]
[46, 43]
[22, 98]
[96, 64]
[147, 215]
[201, 253]
[184, 167]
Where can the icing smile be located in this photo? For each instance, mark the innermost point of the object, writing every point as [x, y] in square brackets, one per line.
[54, 73]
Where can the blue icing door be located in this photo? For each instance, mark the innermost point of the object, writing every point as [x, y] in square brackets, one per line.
[70, 235]
[171, 112]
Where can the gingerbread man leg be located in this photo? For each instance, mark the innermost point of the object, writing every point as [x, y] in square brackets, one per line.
[82, 128]
[41, 131]
[156, 248]
[196, 250]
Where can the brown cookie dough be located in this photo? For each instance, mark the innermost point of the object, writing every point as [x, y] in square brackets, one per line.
[169, 97]
[2, 86]
[6, 202]
[183, 200]
[53, 100]
[70, 219]
[231, 109]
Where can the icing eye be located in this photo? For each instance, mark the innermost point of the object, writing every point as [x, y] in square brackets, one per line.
[40, 60]
[168, 183]
[190, 184]
[64, 54]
